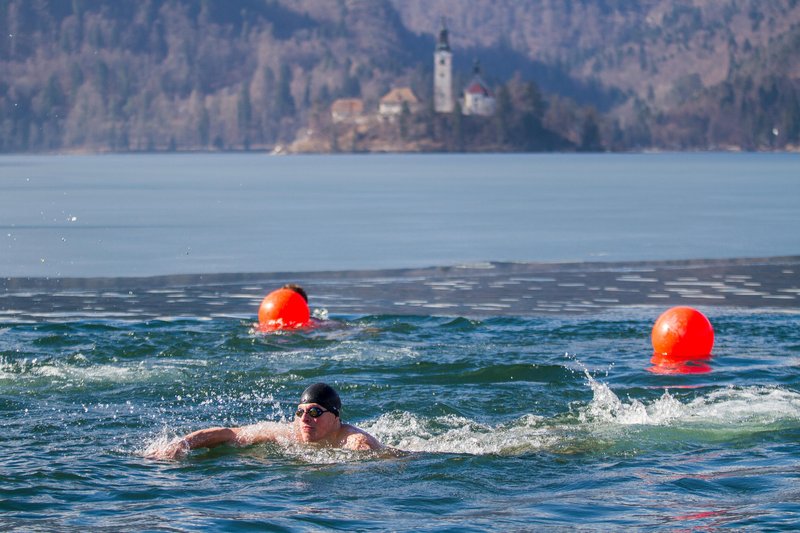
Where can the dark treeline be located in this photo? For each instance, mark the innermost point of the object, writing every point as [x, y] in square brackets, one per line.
[93, 75]
[144, 75]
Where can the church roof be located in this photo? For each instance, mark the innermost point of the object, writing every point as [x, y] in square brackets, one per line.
[477, 87]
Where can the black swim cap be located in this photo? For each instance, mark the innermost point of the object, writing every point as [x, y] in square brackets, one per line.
[324, 395]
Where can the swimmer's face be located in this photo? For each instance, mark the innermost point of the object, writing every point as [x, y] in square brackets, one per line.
[314, 429]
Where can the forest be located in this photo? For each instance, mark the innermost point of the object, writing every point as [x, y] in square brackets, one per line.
[196, 75]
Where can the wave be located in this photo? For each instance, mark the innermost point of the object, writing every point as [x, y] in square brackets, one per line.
[742, 407]
[77, 372]
[606, 424]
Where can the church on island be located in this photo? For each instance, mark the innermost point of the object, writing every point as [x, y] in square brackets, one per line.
[477, 99]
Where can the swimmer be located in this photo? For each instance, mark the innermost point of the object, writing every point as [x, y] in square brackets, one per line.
[285, 309]
[298, 289]
[316, 423]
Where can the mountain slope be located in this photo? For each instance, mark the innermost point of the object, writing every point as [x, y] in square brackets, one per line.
[664, 55]
[243, 74]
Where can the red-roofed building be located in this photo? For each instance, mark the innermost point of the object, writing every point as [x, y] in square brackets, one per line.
[478, 99]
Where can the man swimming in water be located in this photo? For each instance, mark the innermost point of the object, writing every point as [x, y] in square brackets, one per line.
[298, 289]
[316, 422]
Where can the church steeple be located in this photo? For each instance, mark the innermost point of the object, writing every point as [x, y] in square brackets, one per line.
[443, 101]
[443, 43]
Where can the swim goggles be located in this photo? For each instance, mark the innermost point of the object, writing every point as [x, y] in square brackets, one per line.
[313, 411]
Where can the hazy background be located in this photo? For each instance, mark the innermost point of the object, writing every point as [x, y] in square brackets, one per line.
[175, 75]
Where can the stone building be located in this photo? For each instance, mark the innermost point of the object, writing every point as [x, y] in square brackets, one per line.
[393, 102]
[347, 109]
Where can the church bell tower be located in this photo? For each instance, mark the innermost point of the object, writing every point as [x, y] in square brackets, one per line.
[443, 101]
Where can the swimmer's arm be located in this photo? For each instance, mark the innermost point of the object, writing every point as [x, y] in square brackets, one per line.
[212, 437]
[204, 438]
[262, 432]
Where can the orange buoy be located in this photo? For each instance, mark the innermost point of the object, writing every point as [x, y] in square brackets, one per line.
[681, 334]
[283, 309]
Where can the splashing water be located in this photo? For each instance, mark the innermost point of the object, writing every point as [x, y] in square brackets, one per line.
[487, 412]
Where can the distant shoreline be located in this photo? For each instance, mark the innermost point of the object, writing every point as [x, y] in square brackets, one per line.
[275, 151]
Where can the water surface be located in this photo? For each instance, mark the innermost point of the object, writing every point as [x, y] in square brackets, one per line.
[143, 215]
[520, 395]
[506, 422]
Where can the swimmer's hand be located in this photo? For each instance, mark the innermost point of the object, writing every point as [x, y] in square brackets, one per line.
[175, 449]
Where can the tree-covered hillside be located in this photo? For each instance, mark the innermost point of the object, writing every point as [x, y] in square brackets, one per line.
[127, 75]
[686, 74]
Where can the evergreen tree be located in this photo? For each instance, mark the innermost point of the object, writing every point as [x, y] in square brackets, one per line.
[405, 117]
[244, 112]
[204, 128]
[503, 116]
[284, 103]
[590, 133]
[457, 138]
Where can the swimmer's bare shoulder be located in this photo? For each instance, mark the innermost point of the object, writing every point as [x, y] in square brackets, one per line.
[353, 438]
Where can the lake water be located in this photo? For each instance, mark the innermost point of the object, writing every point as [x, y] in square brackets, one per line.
[521, 395]
[135, 215]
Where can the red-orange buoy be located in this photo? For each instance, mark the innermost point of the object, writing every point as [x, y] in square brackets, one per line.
[681, 334]
[283, 309]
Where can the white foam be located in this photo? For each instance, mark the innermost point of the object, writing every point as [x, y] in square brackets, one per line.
[79, 375]
[241, 296]
[637, 279]
[740, 408]
[157, 444]
[455, 434]
[476, 266]
[320, 314]
[750, 406]
[359, 352]
[606, 419]
[606, 407]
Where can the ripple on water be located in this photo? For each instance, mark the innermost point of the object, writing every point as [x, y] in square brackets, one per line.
[476, 404]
